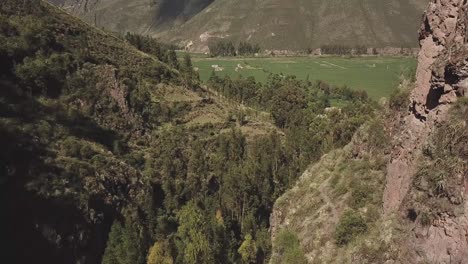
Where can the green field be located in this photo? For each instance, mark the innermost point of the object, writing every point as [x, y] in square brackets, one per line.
[377, 75]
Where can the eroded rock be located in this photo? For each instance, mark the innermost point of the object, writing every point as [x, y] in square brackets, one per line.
[442, 77]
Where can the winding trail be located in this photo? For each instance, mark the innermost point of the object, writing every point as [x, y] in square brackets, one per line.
[328, 202]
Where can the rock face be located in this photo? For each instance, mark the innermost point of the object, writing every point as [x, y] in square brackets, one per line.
[442, 77]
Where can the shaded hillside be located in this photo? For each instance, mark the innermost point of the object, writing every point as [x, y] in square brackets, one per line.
[112, 152]
[135, 16]
[275, 24]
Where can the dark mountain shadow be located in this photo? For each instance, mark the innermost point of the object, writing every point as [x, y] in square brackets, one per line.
[169, 11]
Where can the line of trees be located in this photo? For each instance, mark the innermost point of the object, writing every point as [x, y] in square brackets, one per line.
[225, 48]
[247, 49]
[343, 50]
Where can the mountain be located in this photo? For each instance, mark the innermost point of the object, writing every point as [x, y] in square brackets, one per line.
[140, 16]
[275, 24]
[397, 193]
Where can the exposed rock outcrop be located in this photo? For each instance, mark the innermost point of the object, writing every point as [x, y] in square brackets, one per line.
[442, 77]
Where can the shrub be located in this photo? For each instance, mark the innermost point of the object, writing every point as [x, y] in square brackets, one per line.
[360, 196]
[349, 227]
[70, 147]
[159, 253]
[248, 250]
[399, 99]
[288, 247]
[425, 218]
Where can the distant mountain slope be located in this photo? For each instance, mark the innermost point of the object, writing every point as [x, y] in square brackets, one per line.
[299, 24]
[140, 16]
[276, 24]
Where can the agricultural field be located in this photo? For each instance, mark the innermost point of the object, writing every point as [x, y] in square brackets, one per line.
[376, 75]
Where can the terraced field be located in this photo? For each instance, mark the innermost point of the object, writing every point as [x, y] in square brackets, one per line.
[377, 75]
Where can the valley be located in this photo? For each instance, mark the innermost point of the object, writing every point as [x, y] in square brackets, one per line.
[117, 147]
[378, 76]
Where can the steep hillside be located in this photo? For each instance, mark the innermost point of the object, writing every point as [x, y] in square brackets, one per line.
[85, 119]
[275, 24]
[403, 201]
[112, 152]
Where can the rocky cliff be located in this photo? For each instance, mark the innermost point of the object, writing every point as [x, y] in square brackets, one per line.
[412, 207]
[440, 79]
[440, 230]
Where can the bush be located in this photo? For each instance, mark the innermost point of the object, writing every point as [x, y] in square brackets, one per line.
[350, 226]
[399, 99]
[289, 249]
[360, 196]
[70, 148]
[44, 75]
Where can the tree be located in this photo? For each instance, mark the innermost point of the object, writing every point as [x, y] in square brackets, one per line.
[248, 250]
[123, 246]
[159, 254]
[172, 59]
[194, 235]
[113, 253]
[188, 74]
[287, 105]
[289, 249]
[188, 66]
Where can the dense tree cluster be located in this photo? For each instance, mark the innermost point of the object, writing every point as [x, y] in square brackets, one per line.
[164, 52]
[343, 50]
[225, 48]
[360, 50]
[336, 50]
[222, 48]
[247, 49]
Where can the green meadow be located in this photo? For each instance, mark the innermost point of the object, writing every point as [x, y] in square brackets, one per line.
[376, 75]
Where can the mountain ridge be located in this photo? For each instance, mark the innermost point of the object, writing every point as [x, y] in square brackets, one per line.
[274, 24]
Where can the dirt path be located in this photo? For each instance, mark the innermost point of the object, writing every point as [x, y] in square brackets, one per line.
[328, 202]
[334, 65]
